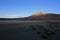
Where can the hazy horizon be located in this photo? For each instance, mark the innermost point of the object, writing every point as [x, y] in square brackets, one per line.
[25, 8]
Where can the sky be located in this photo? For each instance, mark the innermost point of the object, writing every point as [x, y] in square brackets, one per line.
[24, 8]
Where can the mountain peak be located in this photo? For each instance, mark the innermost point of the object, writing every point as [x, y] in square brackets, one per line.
[38, 14]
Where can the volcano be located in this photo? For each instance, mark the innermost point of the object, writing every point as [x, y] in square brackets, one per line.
[44, 16]
[37, 16]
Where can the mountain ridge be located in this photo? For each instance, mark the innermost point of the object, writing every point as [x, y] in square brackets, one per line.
[47, 16]
[37, 16]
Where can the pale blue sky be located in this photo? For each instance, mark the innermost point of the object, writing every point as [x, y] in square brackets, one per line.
[21, 8]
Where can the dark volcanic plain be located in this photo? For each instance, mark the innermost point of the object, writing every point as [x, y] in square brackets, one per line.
[24, 30]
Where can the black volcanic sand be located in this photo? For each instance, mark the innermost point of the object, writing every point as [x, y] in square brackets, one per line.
[23, 31]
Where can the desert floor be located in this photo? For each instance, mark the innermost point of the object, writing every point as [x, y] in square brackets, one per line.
[26, 31]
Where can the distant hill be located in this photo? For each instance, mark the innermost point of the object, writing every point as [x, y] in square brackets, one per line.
[37, 16]
[47, 16]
